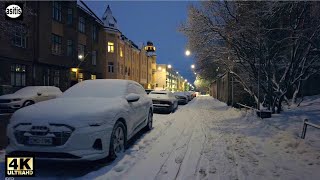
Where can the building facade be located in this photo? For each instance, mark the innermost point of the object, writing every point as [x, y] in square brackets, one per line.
[63, 43]
[166, 78]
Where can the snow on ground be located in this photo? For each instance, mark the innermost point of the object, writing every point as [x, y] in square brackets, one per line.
[208, 140]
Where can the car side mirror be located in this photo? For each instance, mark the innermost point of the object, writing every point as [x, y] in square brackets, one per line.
[39, 93]
[132, 97]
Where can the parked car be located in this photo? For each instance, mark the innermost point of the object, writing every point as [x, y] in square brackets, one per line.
[91, 120]
[27, 96]
[188, 95]
[182, 98]
[149, 90]
[164, 101]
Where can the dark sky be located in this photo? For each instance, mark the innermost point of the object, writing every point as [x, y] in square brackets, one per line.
[157, 21]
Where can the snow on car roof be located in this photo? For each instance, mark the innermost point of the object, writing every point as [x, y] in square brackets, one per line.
[98, 88]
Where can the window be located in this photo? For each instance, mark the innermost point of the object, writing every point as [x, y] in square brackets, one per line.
[81, 50]
[110, 67]
[94, 57]
[70, 16]
[70, 48]
[46, 78]
[56, 11]
[19, 37]
[18, 75]
[82, 24]
[56, 78]
[110, 47]
[56, 47]
[93, 76]
[80, 77]
[94, 33]
[121, 52]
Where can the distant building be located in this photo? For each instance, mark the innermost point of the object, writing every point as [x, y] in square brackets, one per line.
[168, 79]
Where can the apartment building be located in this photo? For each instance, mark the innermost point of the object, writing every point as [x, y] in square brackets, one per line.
[46, 49]
[64, 42]
[125, 59]
[166, 78]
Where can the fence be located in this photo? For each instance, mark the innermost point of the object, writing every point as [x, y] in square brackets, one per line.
[305, 125]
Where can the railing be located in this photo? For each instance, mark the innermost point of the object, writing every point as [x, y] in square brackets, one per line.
[305, 125]
[245, 106]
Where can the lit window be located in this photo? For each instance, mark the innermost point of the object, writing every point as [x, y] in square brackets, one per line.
[93, 76]
[110, 47]
[80, 77]
[121, 52]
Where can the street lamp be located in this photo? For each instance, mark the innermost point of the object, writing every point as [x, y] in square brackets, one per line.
[195, 73]
[177, 72]
[192, 66]
[185, 80]
[80, 57]
[188, 53]
[169, 66]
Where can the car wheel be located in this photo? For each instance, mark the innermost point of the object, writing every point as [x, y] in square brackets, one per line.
[150, 121]
[28, 103]
[117, 141]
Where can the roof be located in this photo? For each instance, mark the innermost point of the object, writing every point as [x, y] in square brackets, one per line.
[87, 10]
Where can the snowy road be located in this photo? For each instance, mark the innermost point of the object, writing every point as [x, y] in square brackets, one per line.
[204, 139]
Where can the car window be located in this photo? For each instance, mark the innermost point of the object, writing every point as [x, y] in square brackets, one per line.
[140, 89]
[132, 88]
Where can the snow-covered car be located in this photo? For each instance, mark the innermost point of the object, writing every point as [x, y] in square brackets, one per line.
[164, 101]
[188, 94]
[149, 90]
[27, 96]
[91, 120]
[182, 98]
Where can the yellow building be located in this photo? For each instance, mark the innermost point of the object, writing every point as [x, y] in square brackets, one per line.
[166, 78]
[124, 59]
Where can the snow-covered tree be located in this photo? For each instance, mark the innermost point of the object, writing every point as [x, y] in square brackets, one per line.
[269, 47]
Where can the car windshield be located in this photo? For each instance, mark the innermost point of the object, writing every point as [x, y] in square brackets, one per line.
[96, 88]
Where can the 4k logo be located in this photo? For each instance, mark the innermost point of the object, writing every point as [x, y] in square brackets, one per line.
[19, 166]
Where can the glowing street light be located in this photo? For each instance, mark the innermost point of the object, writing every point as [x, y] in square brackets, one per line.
[169, 66]
[195, 73]
[185, 80]
[80, 56]
[188, 53]
[177, 72]
[192, 66]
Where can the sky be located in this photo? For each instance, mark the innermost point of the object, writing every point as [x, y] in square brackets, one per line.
[156, 21]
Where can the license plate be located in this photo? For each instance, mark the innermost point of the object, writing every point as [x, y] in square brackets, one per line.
[40, 141]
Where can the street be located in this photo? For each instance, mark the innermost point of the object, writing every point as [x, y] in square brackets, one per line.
[203, 140]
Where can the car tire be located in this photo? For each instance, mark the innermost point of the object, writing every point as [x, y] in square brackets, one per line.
[148, 127]
[121, 139]
[27, 103]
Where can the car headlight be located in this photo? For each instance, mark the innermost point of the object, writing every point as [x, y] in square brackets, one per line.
[17, 99]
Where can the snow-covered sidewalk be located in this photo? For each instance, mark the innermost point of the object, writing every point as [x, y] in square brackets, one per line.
[206, 139]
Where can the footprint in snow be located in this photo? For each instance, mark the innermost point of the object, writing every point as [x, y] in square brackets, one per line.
[179, 159]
